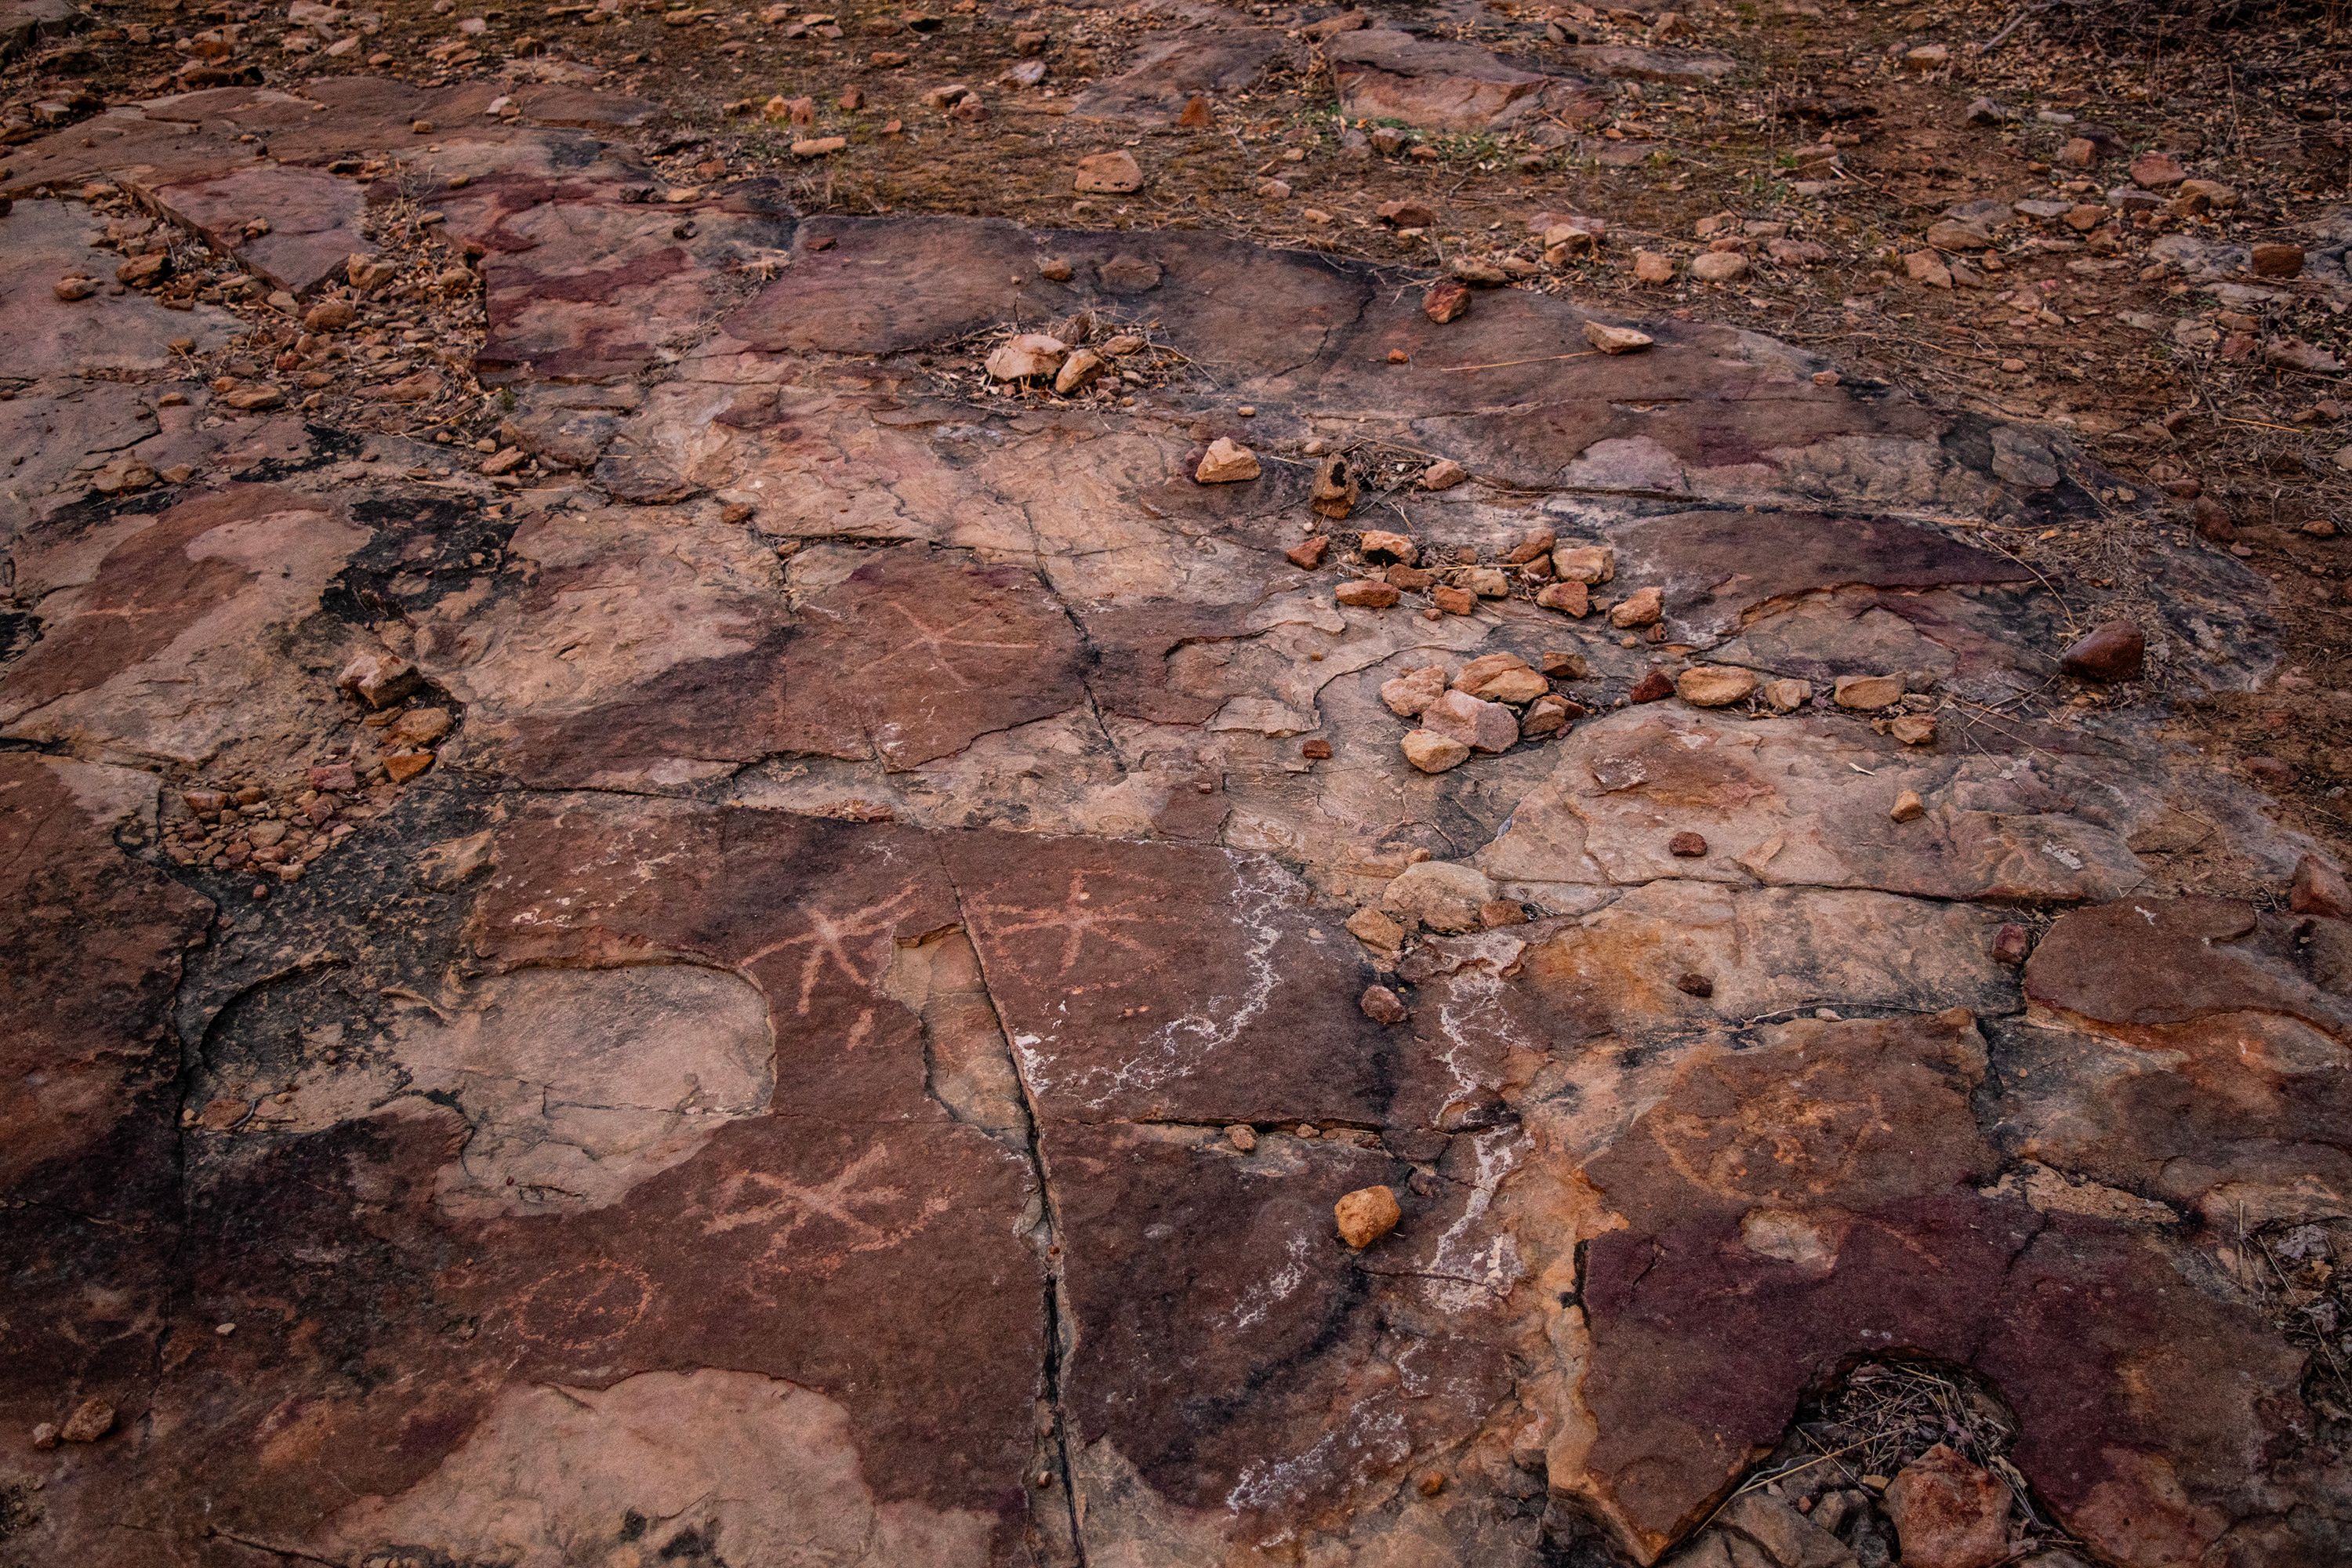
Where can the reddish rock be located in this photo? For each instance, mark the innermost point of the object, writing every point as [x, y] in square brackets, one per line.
[1655, 686]
[1366, 1215]
[1439, 84]
[2114, 651]
[2149, 961]
[1308, 553]
[1445, 301]
[2277, 260]
[1381, 1005]
[1567, 598]
[1686, 846]
[2319, 889]
[91, 1420]
[1365, 594]
[1481, 725]
[1948, 1514]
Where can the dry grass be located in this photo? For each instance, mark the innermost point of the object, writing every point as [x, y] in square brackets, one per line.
[1882, 1416]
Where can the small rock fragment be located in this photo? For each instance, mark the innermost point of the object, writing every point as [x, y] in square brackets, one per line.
[1226, 462]
[1913, 729]
[1714, 685]
[1787, 694]
[1366, 594]
[1654, 686]
[1443, 474]
[1414, 690]
[1367, 1213]
[1375, 930]
[1584, 563]
[1078, 371]
[1432, 753]
[378, 680]
[2012, 944]
[1867, 694]
[1335, 489]
[1308, 553]
[1948, 1513]
[1445, 301]
[142, 270]
[1926, 268]
[1241, 1136]
[1501, 677]
[1381, 1005]
[91, 1420]
[1534, 547]
[2319, 889]
[1640, 608]
[1545, 716]
[2116, 651]
[1568, 598]
[421, 726]
[1481, 725]
[1612, 340]
[1109, 174]
[2277, 260]
[1718, 266]
[74, 287]
[1652, 268]
[1443, 895]
[1026, 356]
[1378, 544]
[1686, 846]
[1907, 807]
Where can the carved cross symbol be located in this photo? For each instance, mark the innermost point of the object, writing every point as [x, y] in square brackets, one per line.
[790, 1208]
[830, 941]
[1076, 918]
[937, 640]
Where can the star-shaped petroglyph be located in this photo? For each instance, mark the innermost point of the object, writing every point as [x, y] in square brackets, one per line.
[1079, 917]
[867, 1218]
[937, 640]
[856, 943]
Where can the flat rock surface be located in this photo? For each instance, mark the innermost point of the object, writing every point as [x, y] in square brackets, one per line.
[768, 962]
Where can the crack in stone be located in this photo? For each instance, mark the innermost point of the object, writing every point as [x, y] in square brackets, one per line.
[1059, 1329]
